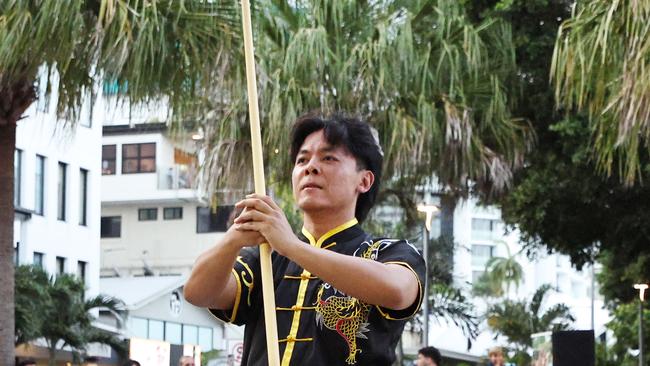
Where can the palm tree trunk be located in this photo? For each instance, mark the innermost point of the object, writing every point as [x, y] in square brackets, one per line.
[7, 146]
[14, 100]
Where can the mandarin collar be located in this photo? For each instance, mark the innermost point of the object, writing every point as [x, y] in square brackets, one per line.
[341, 233]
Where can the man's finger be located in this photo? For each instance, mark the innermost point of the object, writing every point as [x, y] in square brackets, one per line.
[267, 199]
[250, 215]
[254, 203]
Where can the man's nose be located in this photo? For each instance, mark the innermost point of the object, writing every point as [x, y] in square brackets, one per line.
[312, 166]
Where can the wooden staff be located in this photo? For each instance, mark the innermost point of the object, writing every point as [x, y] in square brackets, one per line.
[258, 174]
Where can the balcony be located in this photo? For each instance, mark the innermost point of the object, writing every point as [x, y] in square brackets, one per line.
[176, 176]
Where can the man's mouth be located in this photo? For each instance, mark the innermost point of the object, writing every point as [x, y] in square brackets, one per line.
[311, 185]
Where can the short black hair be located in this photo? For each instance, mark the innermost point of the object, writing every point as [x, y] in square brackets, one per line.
[432, 353]
[351, 133]
[131, 363]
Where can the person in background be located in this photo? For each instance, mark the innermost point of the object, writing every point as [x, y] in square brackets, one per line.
[27, 362]
[496, 357]
[186, 361]
[428, 356]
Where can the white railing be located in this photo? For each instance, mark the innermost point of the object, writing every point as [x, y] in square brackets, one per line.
[176, 177]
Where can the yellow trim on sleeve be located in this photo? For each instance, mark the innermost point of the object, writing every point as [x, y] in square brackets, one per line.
[235, 307]
[420, 294]
[250, 284]
[237, 297]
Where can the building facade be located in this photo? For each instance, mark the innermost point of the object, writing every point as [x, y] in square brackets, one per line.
[57, 194]
[479, 235]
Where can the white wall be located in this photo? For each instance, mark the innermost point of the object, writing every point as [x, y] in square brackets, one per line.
[171, 245]
[141, 186]
[39, 133]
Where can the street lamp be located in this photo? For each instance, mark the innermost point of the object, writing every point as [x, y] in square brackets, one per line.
[429, 210]
[641, 287]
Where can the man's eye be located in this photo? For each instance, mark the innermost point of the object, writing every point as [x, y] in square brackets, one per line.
[329, 157]
[300, 160]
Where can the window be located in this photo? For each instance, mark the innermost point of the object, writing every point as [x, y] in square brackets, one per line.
[173, 333]
[18, 169]
[481, 254]
[208, 221]
[190, 334]
[111, 227]
[61, 188]
[156, 330]
[476, 276]
[485, 229]
[148, 214]
[138, 327]
[83, 197]
[173, 213]
[60, 265]
[108, 159]
[114, 87]
[39, 193]
[81, 270]
[139, 158]
[205, 339]
[38, 259]
[16, 254]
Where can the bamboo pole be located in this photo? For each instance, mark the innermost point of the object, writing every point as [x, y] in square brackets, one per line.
[258, 174]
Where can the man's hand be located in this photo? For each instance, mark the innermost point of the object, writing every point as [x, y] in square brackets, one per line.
[243, 238]
[263, 216]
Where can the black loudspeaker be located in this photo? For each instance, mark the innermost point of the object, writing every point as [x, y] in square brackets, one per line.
[574, 348]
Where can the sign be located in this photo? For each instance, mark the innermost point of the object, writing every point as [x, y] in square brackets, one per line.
[235, 352]
[149, 352]
[542, 349]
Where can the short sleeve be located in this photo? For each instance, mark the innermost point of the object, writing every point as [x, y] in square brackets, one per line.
[403, 253]
[246, 272]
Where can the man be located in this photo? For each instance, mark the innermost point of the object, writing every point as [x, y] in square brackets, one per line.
[342, 296]
[429, 356]
[27, 362]
[496, 357]
[186, 361]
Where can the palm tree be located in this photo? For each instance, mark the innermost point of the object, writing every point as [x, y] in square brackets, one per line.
[432, 84]
[601, 66]
[154, 49]
[517, 320]
[499, 272]
[55, 309]
[68, 321]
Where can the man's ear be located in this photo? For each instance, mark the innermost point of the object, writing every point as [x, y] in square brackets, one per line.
[367, 180]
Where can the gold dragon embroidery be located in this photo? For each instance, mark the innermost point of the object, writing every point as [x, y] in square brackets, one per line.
[346, 315]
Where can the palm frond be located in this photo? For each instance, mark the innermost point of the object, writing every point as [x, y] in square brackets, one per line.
[600, 66]
[436, 93]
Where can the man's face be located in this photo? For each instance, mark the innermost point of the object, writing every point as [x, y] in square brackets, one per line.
[424, 361]
[496, 359]
[187, 361]
[326, 177]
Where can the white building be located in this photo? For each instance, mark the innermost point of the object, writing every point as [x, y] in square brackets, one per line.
[154, 221]
[154, 225]
[479, 234]
[57, 190]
